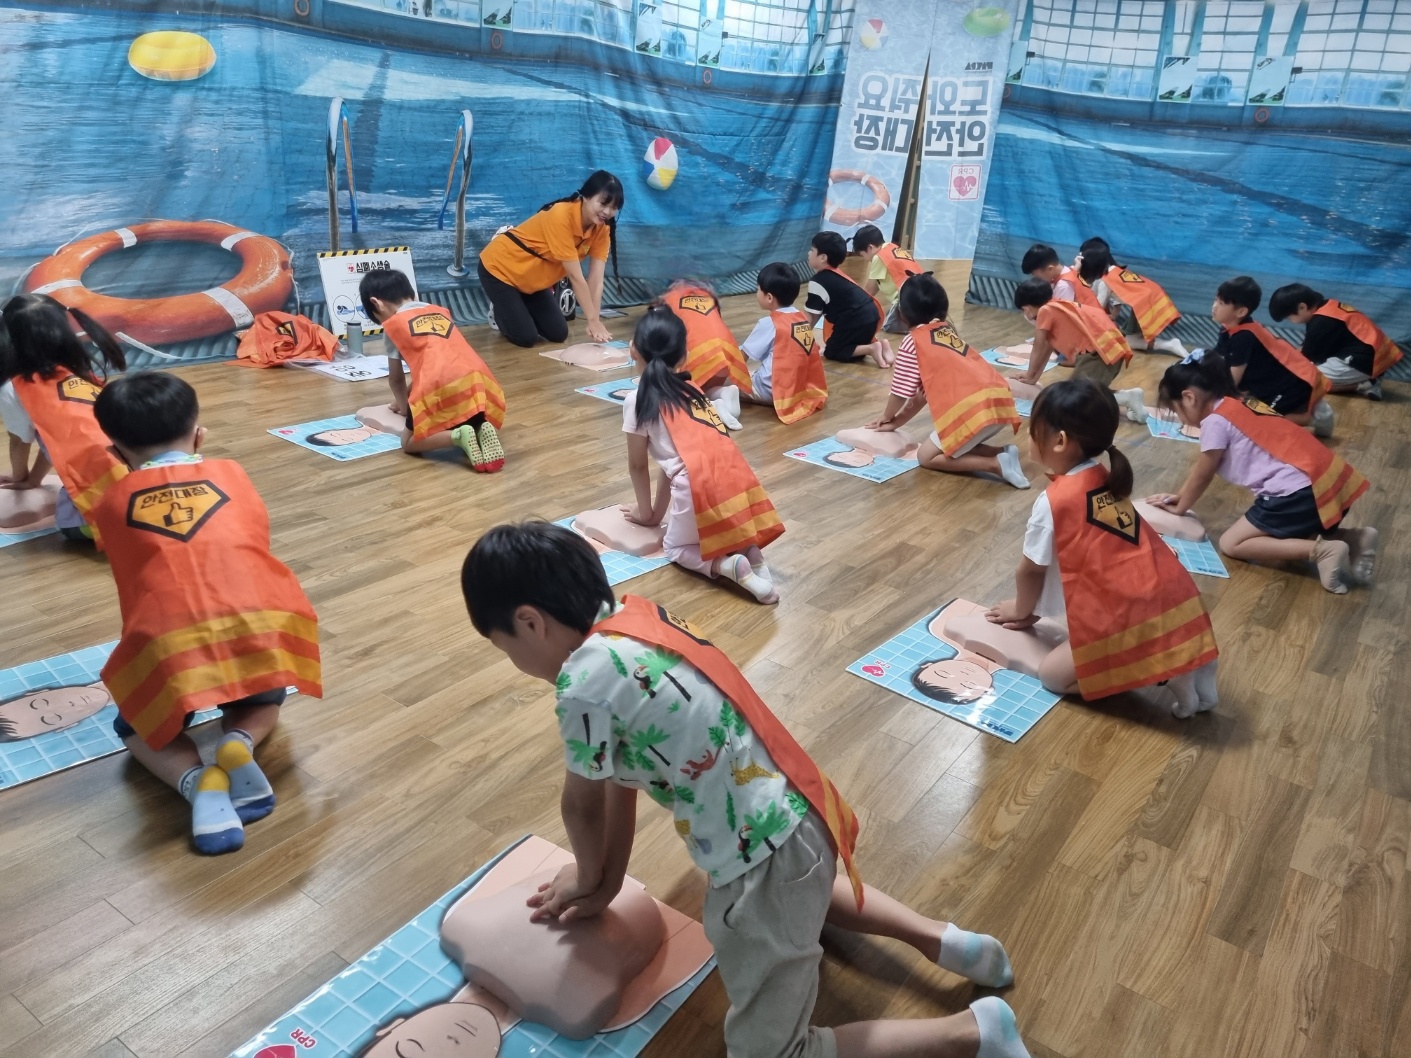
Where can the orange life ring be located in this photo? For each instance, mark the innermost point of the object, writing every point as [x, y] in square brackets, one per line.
[263, 284]
[846, 218]
[301, 8]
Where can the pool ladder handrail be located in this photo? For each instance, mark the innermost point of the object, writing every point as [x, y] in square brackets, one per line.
[338, 130]
[460, 153]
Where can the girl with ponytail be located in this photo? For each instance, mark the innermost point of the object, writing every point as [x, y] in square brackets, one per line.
[1133, 613]
[717, 515]
[520, 266]
[1301, 490]
[50, 382]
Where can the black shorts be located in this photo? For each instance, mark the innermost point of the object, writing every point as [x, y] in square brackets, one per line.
[475, 421]
[1291, 517]
[124, 730]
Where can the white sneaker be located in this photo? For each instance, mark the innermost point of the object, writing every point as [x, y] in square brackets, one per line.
[1010, 469]
[1172, 346]
[1133, 404]
[1323, 419]
[493, 325]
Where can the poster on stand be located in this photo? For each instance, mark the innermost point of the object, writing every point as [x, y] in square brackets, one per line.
[342, 271]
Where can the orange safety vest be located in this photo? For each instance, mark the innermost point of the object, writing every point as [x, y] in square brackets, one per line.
[1135, 616]
[1293, 360]
[798, 383]
[275, 337]
[1075, 329]
[1154, 310]
[732, 511]
[450, 382]
[965, 394]
[899, 263]
[1336, 485]
[828, 324]
[61, 408]
[1082, 289]
[1385, 352]
[209, 616]
[649, 623]
[711, 350]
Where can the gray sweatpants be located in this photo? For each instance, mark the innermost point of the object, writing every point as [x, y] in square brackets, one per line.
[765, 928]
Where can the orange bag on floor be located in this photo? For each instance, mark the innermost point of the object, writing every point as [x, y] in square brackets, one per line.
[275, 337]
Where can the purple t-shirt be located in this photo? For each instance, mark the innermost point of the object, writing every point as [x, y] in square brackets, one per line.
[1245, 463]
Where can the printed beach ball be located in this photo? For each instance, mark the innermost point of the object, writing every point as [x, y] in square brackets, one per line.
[872, 33]
[659, 163]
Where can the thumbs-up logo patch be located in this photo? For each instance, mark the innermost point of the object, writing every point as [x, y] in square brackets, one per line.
[176, 510]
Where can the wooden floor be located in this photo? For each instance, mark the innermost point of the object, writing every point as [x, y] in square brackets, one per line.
[1234, 885]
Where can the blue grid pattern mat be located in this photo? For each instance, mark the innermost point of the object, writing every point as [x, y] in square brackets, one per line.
[1168, 428]
[621, 566]
[1008, 710]
[1024, 407]
[6, 539]
[300, 433]
[88, 739]
[992, 356]
[1202, 557]
[614, 392]
[880, 468]
[409, 971]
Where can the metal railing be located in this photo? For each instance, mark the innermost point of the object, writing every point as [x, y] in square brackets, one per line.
[338, 131]
[460, 155]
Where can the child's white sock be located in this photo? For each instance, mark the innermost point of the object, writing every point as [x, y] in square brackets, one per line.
[1011, 469]
[1324, 421]
[756, 559]
[250, 792]
[1133, 404]
[1205, 685]
[1187, 700]
[999, 1032]
[977, 956]
[215, 828]
[1172, 346]
[738, 569]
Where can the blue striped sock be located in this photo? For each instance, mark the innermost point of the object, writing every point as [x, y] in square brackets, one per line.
[215, 827]
[250, 792]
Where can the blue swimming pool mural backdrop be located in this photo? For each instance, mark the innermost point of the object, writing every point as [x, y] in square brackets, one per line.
[1201, 137]
[222, 115]
[1209, 138]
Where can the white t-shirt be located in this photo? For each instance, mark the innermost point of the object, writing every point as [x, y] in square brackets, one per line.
[681, 530]
[17, 420]
[1039, 549]
[1063, 291]
[649, 720]
[760, 346]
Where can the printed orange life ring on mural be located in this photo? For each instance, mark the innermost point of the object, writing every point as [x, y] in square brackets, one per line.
[263, 284]
[846, 218]
[301, 8]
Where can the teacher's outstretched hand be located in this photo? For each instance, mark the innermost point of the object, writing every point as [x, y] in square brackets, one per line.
[519, 267]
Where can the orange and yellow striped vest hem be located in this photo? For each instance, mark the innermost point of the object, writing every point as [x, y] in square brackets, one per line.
[799, 405]
[963, 421]
[744, 520]
[1177, 641]
[452, 404]
[1336, 490]
[1157, 316]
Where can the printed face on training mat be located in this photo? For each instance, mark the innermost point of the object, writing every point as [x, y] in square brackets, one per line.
[446, 1030]
[50, 709]
[339, 438]
[953, 681]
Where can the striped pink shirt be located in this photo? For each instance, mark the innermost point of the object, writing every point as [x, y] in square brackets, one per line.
[906, 373]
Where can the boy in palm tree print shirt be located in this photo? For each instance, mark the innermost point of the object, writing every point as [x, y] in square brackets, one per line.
[649, 720]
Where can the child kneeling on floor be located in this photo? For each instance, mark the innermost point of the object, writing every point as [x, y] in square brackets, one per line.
[1302, 490]
[641, 695]
[454, 400]
[209, 617]
[1134, 615]
[717, 515]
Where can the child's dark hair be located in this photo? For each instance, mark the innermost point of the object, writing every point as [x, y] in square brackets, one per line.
[1033, 293]
[1096, 242]
[779, 280]
[1088, 414]
[384, 284]
[922, 299]
[1242, 292]
[832, 246]
[146, 409]
[599, 182]
[1038, 256]
[1284, 302]
[538, 564]
[937, 694]
[866, 237]
[36, 338]
[1210, 374]
[660, 340]
[1095, 263]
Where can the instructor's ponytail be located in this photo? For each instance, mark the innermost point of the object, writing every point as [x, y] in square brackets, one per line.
[660, 340]
[599, 182]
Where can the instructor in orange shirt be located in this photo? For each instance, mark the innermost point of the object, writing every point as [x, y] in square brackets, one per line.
[520, 266]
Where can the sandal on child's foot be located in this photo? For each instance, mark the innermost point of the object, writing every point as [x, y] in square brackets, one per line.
[1332, 557]
[491, 451]
[464, 436]
[738, 569]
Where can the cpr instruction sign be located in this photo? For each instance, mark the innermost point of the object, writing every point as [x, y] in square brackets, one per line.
[342, 271]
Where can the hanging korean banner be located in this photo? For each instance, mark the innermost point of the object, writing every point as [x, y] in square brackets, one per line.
[878, 115]
[963, 92]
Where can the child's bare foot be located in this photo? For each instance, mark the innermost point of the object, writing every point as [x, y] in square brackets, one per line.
[1332, 558]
